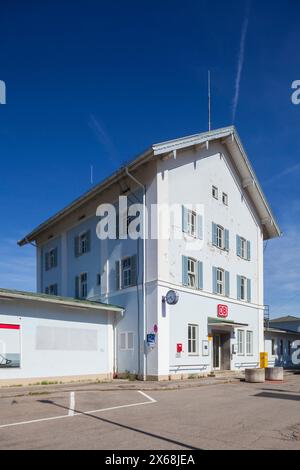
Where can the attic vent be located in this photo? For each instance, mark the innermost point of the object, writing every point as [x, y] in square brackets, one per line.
[81, 217]
[50, 236]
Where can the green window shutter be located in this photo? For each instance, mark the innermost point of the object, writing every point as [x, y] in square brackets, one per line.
[77, 287]
[238, 246]
[133, 270]
[214, 234]
[248, 250]
[200, 226]
[184, 219]
[185, 280]
[227, 284]
[76, 246]
[226, 240]
[200, 275]
[117, 274]
[214, 280]
[238, 287]
[248, 290]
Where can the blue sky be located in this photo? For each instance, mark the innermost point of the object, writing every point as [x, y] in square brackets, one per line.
[95, 82]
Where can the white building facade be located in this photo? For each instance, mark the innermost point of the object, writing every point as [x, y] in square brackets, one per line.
[211, 258]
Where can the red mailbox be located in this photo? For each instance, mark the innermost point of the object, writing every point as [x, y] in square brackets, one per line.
[179, 347]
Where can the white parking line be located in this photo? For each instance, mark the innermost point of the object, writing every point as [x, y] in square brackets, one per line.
[52, 418]
[72, 404]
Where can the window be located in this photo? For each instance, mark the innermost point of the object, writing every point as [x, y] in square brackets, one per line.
[191, 272]
[243, 248]
[51, 290]
[273, 347]
[82, 243]
[83, 286]
[220, 281]
[220, 237]
[126, 272]
[192, 223]
[51, 259]
[289, 347]
[225, 199]
[126, 341]
[249, 343]
[241, 342]
[193, 339]
[215, 192]
[98, 279]
[243, 288]
[281, 347]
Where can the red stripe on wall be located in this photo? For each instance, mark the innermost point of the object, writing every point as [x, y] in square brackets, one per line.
[9, 327]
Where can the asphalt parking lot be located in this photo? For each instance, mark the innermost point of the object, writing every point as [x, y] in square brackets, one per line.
[218, 416]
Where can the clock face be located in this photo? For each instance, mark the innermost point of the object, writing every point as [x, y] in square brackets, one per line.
[172, 297]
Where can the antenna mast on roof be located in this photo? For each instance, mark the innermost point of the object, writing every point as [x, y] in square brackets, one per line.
[209, 102]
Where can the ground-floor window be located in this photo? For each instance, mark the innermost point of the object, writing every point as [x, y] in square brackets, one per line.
[273, 347]
[10, 345]
[193, 335]
[241, 342]
[249, 343]
[126, 341]
[83, 285]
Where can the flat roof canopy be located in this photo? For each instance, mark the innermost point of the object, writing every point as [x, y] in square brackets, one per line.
[221, 323]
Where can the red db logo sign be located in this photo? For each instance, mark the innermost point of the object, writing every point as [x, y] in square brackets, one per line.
[222, 311]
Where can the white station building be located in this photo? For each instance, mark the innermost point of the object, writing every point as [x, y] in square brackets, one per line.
[193, 300]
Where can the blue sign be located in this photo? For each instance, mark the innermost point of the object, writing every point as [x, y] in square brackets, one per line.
[151, 338]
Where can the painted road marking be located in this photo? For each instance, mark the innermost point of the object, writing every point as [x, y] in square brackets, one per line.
[52, 418]
[72, 404]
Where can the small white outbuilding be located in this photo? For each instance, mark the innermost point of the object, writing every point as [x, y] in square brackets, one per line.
[45, 337]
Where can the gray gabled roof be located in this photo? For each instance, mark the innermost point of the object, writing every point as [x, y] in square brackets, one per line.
[55, 299]
[287, 318]
[227, 135]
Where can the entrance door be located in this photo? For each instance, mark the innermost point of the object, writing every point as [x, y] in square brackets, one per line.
[217, 352]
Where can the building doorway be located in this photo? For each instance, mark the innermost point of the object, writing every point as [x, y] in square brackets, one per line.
[221, 351]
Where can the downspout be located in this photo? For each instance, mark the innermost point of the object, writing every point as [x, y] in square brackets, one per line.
[141, 185]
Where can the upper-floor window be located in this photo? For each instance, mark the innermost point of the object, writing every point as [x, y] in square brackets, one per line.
[221, 281]
[81, 286]
[220, 237]
[243, 248]
[243, 288]
[126, 272]
[192, 223]
[192, 273]
[82, 243]
[225, 199]
[215, 192]
[51, 259]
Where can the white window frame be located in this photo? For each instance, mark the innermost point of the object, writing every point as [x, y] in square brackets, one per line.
[83, 285]
[243, 243]
[215, 192]
[193, 339]
[249, 343]
[220, 281]
[225, 199]
[192, 274]
[241, 342]
[126, 342]
[243, 288]
[124, 270]
[220, 237]
[191, 223]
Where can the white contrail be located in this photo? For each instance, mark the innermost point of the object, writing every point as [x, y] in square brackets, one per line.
[240, 64]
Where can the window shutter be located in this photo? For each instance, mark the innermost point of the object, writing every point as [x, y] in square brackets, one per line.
[55, 257]
[200, 275]
[185, 270]
[47, 261]
[76, 246]
[133, 270]
[227, 284]
[184, 219]
[238, 246]
[88, 240]
[77, 287]
[214, 234]
[248, 250]
[248, 290]
[200, 227]
[214, 280]
[238, 287]
[117, 268]
[226, 240]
